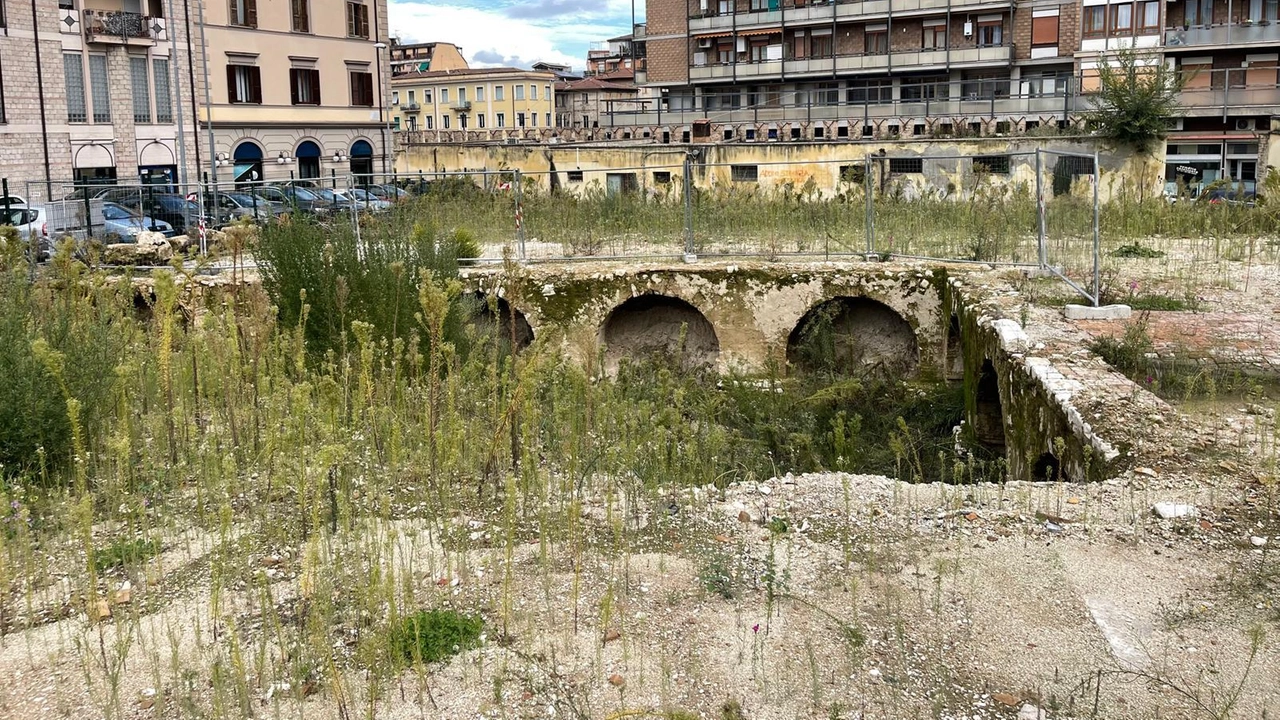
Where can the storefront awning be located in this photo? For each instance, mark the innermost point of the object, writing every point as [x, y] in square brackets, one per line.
[774, 31]
[712, 35]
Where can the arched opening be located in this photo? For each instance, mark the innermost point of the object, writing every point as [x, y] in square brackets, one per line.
[498, 319]
[988, 425]
[1047, 468]
[361, 161]
[659, 325]
[308, 154]
[955, 355]
[248, 163]
[854, 336]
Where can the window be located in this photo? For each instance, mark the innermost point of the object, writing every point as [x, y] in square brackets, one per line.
[519, 119]
[426, 97]
[480, 120]
[575, 176]
[395, 97]
[533, 119]
[548, 119]
[662, 177]
[546, 92]
[444, 96]
[935, 37]
[828, 93]
[1122, 19]
[98, 88]
[853, 174]
[984, 86]
[395, 123]
[431, 122]
[462, 96]
[1095, 21]
[992, 164]
[991, 34]
[820, 46]
[1044, 31]
[164, 102]
[501, 118]
[926, 88]
[1199, 12]
[357, 20]
[361, 88]
[413, 123]
[744, 173]
[444, 122]
[533, 92]
[906, 165]
[462, 122]
[244, 13]
[244, 84]
[301, 16]
[1149, 17]
[519, 90]
[497, 92]
[140, 76]
[870, 91]
[479, 93]
[304, 86]
[877, 41]
[73, 70]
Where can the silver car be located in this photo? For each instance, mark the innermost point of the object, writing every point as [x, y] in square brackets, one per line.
[127, 224]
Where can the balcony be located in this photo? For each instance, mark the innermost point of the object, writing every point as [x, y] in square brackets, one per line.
[120, 28]
[849, 64]
[412, 107]
[1222, 36]
[802, 12]
[462, 106]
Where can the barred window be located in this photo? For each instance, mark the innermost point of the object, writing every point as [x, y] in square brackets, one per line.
[141, 89]
[164, 101]
[744, 173]
[994, 164]
[906, 165]
[98, 88]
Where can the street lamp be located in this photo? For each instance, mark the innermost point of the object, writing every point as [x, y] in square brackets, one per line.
[383, 115]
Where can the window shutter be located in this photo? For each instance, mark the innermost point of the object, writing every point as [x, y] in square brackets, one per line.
[293, 86]
[251, 13]
[255, 85]
[315, 86]
[364, 21]
[351, 19]
[231, 85]
[1044, 30]
[231, 12]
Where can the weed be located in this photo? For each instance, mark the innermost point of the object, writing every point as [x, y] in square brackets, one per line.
[1136, 250]
[719, 577]
[430, 636]
[731, 709]
[126, 553]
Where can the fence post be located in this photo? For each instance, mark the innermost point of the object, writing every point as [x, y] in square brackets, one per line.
[1040, 210]
[871, 212]
[690, 254]
[1097, 237]
[517, 190]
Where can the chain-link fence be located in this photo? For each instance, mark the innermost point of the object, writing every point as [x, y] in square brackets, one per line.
[1031, 208]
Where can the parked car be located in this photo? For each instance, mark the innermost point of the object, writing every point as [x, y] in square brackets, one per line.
[294, 198]
[243, 204]
[363, 200]
[178, 211]
[127, 224]
[337, 202]
[390, 193]
[30, 222]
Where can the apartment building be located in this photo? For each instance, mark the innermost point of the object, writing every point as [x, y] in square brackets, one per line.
[612, 55]
[90, 92]
[298, 89]
[473, 100]
[424, 57]
[581, 103]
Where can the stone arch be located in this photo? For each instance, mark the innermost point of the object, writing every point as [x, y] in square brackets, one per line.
[855, 336]
[1047, 467]
[653, 324]
[988, 416]
[498, 321]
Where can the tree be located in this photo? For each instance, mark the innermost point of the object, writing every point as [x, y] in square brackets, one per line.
[1138, 94]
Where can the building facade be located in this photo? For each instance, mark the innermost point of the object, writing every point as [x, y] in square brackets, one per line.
[424, 57]
[477, 101]
[298, 89]
[95, 91]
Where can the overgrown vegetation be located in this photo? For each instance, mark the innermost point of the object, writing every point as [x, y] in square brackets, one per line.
[1137, 94]
[429, 636]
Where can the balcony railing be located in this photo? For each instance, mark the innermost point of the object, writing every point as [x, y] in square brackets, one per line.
[1230, 34]
[462, 106]
[411, 107]
[799, 12]
[916, 59]
[113, 26]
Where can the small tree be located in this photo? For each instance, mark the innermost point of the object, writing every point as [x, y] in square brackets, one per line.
[1138, 93]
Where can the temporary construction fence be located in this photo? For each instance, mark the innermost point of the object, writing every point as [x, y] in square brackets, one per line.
[1035, 209]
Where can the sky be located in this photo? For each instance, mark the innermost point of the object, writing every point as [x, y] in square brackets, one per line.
[494, 33]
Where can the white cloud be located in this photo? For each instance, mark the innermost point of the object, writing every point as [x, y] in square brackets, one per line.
[491, 33]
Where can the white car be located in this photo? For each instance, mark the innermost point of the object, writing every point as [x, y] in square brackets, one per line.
[30, 222]
[364, 200]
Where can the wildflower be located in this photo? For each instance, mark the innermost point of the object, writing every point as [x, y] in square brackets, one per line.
[755, 628]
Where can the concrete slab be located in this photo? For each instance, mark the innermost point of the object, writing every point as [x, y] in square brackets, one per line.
[1106, 312]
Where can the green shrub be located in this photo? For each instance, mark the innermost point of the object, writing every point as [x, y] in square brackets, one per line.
[1136, 250]
[434, 635]
[124, 553]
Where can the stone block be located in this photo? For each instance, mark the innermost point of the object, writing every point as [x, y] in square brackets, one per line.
[1105, 312]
